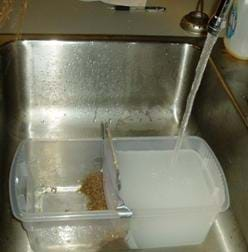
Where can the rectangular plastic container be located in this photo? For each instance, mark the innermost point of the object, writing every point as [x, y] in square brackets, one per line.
[46, 176]
[174, 203]
[45, 179]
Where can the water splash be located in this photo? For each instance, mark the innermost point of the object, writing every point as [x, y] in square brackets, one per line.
[205, 54]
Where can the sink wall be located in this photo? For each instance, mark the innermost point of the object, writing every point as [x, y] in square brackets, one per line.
[66, 89]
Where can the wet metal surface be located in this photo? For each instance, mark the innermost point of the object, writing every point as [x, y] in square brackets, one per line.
[62, 90]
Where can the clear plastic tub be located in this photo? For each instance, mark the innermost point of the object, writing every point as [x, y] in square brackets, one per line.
[173, 203]
[46, 176]
[45, 179]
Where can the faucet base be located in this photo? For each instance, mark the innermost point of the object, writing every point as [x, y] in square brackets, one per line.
[195, 22]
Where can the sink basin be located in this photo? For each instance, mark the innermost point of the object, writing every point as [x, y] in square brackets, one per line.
[65, 89]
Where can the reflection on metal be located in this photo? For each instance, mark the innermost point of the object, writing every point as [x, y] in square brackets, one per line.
[64, 90]
[217, 21]
[232, 97]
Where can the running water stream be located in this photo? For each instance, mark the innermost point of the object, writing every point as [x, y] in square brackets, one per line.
[205, 54]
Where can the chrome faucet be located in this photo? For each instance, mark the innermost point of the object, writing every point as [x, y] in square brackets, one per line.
[217, 22]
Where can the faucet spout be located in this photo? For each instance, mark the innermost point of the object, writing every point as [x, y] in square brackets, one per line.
[217, 22]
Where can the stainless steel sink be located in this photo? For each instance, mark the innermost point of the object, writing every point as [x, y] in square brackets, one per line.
[65, 89]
